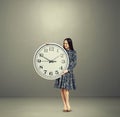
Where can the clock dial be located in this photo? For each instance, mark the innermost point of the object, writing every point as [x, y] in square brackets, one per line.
[50, 60]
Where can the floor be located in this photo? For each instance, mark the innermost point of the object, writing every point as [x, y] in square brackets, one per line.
[52, 107]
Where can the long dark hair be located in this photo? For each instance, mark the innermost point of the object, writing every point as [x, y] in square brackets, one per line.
[70, 43]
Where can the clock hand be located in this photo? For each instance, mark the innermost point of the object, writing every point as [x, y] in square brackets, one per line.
[56, 57]
[44, 61]
[46, 58]
[50, 61]
[53, 60]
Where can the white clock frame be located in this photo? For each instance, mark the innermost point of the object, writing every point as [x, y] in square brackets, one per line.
[50, 63]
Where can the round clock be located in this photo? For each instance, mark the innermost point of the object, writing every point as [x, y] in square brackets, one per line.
[50, 60]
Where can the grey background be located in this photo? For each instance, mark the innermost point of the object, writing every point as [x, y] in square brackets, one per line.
[92, 24]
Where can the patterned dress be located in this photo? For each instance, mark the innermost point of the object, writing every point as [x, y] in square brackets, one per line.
[67, 81]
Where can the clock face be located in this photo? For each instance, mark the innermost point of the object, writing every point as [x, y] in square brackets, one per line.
[50, 60]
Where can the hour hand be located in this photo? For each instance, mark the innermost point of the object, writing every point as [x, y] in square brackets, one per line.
[52, 61]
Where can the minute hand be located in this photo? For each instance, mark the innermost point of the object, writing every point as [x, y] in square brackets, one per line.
[46, 58]
[55, 57]
[50, 61]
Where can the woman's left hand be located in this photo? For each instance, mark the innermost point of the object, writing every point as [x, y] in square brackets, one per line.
[64, 72]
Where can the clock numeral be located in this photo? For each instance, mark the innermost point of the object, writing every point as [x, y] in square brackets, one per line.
[45, 50]
[41, 54]
[51, 48]
[61, 55]
[57, 50]
[38, 60]
[50, 73]
[41, 67]
[62, 61]
[45, 71]
[61, 67]
[56, 72]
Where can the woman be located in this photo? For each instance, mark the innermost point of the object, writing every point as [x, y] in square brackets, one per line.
[67, 80]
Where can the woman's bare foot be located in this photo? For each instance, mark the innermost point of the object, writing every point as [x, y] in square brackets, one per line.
[65, 109]
[69, 109]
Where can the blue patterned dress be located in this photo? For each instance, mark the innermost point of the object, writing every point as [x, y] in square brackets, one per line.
[67, 81]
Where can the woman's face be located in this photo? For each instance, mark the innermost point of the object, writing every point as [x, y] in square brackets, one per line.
[66, 45]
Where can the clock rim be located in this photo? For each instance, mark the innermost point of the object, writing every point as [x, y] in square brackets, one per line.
[45, 76]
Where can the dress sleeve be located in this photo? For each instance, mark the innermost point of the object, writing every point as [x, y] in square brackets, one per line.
[72, 61]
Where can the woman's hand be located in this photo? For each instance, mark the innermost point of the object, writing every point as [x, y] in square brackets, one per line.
[64, 72]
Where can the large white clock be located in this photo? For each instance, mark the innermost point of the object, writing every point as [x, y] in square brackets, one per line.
[50, 60]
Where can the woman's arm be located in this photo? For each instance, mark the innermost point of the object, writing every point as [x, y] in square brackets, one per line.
[73, 61]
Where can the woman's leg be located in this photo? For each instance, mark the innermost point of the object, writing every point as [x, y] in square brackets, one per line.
[66, 93]
[63, 99]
